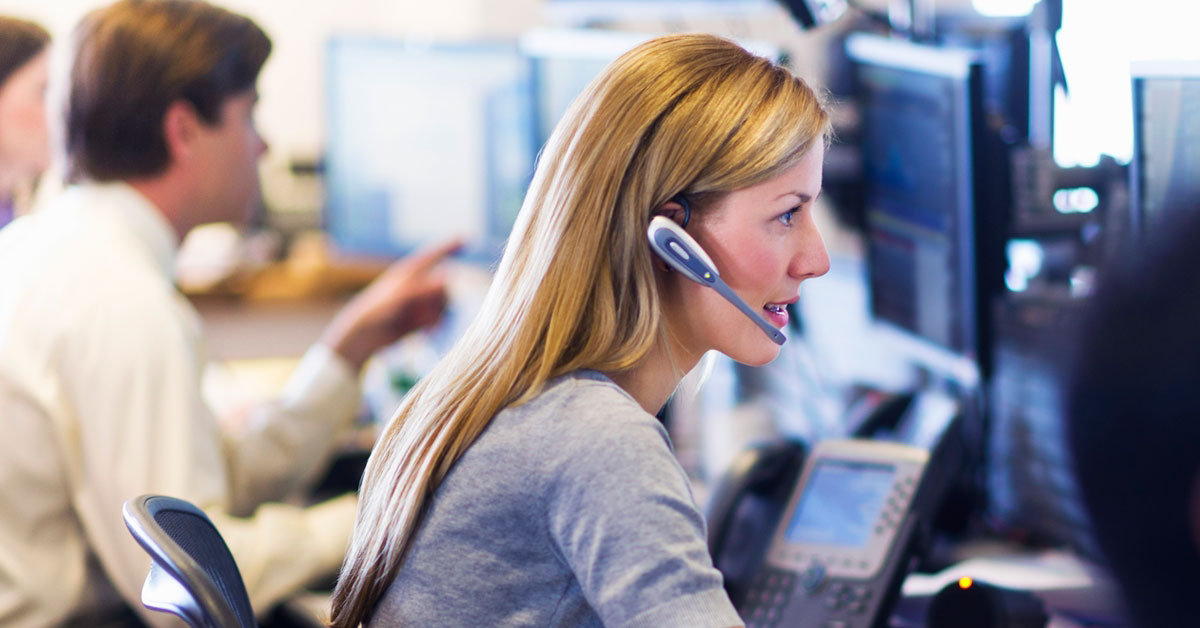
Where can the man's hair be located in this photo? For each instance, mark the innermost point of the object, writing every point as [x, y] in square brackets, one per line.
[20, 41]
[133, 60]
[1133, 424]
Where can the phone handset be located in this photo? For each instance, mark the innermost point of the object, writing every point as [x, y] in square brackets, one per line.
[670, 242]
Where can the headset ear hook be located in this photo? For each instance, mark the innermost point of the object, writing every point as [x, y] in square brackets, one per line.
[687, 209]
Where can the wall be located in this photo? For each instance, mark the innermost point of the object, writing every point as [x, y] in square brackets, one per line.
[289, 113]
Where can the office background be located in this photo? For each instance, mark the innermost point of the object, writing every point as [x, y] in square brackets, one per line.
[1092, 131]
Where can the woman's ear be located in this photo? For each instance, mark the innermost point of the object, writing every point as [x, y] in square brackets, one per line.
[677, 209]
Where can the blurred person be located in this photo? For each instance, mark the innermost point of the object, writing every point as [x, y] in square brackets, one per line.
[24, 141]
[101, 357]
[1133, 424]
[525, 480]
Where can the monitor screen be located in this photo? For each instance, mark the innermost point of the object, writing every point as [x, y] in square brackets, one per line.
[425, 142]
[919, 110]
[841, 503]
[564, 62]
[1166, 160]
[583, 12]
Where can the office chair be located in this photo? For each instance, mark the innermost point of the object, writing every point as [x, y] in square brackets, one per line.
[193, 574]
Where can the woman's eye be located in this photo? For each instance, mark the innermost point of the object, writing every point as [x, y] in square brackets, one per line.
[787, 217]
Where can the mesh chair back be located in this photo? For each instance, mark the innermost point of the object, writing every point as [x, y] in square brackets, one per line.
[204, 586]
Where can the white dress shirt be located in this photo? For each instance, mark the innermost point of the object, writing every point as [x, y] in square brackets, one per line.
[100, 401]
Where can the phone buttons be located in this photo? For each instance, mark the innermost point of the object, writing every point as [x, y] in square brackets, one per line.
[813, 577]
[763, 604]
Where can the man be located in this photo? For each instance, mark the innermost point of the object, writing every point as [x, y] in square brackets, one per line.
[100, 358]
[1133, 424]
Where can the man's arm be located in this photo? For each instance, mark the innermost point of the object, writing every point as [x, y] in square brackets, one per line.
[132, 378]
[287, 444]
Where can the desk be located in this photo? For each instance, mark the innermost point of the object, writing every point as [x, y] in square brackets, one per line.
[237, 329]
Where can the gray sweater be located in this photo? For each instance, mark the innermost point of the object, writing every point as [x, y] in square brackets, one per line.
[569, 510]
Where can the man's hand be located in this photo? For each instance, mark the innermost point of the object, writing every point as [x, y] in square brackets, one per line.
[409, 295]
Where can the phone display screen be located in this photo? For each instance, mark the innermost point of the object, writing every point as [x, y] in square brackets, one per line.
[841, 503]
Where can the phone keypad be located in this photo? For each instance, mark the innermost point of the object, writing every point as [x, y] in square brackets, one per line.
[852, 599]
[769, 594]
[844, 604]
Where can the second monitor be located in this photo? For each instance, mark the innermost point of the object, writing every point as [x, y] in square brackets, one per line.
[921, 138]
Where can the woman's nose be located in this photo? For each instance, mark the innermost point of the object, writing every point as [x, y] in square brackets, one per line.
[811, 258]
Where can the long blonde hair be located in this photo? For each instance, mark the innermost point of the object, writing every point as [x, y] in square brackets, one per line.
[691, 114]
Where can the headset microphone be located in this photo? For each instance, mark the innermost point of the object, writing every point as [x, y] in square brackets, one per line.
[678, 249]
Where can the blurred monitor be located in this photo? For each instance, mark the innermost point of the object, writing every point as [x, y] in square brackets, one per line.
[1002, 45]
[1165, 169]
[425, 142]
[564, 61]
[1031, 491]
[591, 12]
[921, 120]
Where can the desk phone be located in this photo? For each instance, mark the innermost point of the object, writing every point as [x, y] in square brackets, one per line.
[842, 547]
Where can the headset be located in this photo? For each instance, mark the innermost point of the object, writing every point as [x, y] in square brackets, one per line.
[670, 242]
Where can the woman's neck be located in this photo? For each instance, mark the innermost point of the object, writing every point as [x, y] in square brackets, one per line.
[652, 380]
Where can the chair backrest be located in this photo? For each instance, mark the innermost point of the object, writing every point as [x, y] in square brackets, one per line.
[193, 574]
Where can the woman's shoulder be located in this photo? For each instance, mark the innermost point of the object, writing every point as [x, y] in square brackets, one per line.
[579, 405]
[589, 398]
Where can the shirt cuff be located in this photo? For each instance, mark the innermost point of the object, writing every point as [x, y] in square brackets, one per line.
[323, 384]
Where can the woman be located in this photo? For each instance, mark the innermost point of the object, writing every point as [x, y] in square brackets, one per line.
[525, 481]
[24, 144]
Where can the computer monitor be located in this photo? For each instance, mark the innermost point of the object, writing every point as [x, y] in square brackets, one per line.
[1165, 168]
[921, 129]
[588, 12]
[1030, 485]
[565, 60]
[425, 142]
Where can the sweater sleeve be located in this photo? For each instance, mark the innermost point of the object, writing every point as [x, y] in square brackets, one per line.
[623, 517]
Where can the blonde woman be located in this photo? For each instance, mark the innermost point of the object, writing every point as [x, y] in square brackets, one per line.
[525, 481]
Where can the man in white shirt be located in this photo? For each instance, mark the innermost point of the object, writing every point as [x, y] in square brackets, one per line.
[101, 358]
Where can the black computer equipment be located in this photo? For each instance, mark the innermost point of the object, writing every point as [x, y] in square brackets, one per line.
[425, 141]
[1002, 45]
[931, 242]
[1165, 169]
[814, 13]
[936, 216]
[1032, 494]
[1032, 497]
[967, 602]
